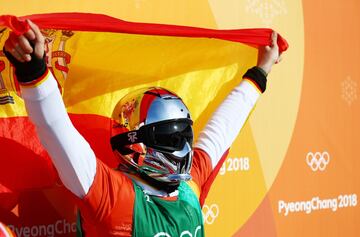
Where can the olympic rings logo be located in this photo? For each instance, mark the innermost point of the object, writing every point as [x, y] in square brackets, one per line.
[317, 161]
[210, 213]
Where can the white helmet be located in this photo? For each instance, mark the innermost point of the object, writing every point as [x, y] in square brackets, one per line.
[152, 135]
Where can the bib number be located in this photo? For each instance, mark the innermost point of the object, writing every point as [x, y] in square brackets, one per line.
[185, 233]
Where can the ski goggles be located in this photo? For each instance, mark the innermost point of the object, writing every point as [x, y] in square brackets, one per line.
[169, 135]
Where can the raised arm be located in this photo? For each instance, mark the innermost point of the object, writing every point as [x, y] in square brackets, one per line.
[71, 154]
[227, 121]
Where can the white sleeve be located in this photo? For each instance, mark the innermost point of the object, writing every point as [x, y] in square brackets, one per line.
[71, 154]
[227, 121]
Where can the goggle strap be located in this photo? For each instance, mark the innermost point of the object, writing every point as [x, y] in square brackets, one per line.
[127, 138]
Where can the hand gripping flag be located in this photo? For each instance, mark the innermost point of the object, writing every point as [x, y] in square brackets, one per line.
[96, 60]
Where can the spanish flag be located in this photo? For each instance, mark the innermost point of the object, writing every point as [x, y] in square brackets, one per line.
[96, 60]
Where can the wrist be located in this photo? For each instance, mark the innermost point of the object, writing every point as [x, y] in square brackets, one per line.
[27, 71]
[257, 76]
[262, 70]
[265, 68]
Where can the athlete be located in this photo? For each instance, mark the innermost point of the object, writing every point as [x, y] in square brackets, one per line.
[162, 175]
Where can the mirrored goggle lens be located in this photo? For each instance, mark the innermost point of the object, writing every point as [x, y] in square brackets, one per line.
[171, 135]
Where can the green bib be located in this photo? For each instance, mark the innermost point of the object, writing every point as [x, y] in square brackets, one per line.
[155, 217]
